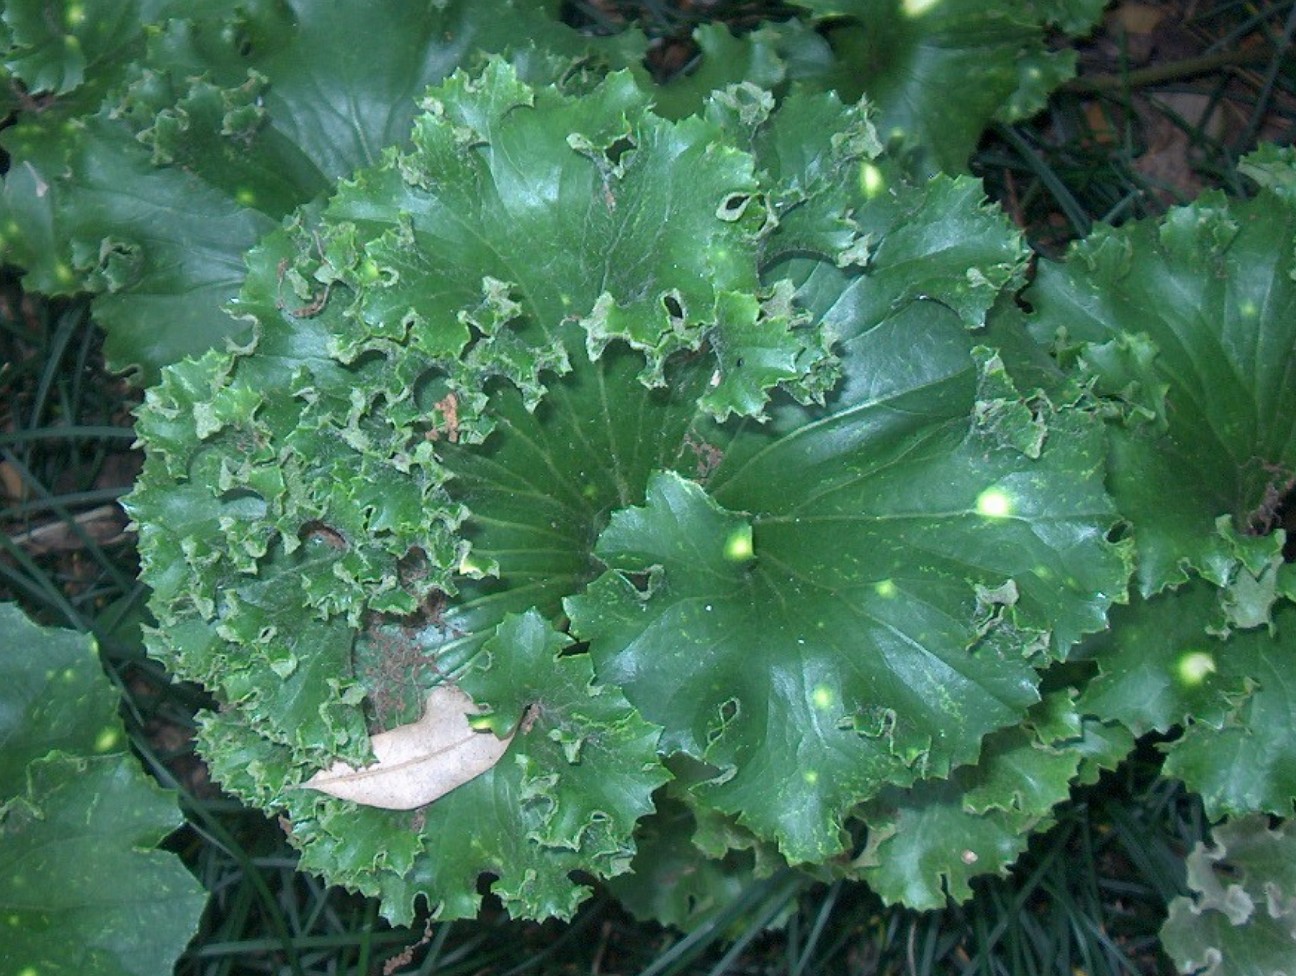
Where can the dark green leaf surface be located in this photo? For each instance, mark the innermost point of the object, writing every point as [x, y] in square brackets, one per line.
[937, 72]
[1160, 667]
[565, 797]
[924, 846]
[1247, 762]
[940, 70]
[53, 695]
[673, 880]
[82, 888]
[925, 843]
[176, 135]
[1185, 326]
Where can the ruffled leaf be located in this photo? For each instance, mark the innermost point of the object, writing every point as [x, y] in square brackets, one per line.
[1183, 327]
[1242, 915]
[1159, 668]
[578, 774]
[745, 612]
[179, 134]
[941, 70]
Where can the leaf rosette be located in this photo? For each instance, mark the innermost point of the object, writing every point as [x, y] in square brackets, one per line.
[657, 439]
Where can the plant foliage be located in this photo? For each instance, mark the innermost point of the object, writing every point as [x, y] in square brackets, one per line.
[76, 810]
[672, 474]
[731, 434]
[157, 141]
[1240, 918]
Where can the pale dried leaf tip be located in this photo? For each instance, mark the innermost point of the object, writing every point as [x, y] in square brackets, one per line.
[420, 762]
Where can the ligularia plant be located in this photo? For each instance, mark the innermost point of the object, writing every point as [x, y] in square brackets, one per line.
[606, 481]
[630, 463]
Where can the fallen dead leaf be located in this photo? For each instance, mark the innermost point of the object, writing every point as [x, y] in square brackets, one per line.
[419, 762]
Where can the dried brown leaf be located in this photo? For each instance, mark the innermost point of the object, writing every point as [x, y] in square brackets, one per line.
[419, 762]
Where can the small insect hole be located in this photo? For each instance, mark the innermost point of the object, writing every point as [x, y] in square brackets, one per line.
[733, 206]
[673, 307]
[413, 567]
[640, 581]
[614, 152]
[1118, 532]
[729, 710]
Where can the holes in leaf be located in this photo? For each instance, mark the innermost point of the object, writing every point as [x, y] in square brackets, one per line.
[412, 568]
[642, 582]
[242, 42]
[575, 649]
[669, 58]
[317, 531]
[430, 388]
[729, 711]
[671, 301]
[733, 206]
[614, 152]
[1285, 518]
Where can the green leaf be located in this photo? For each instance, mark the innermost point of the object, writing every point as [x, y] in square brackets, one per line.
[1247, 762]
[671, 882]
[747, 612]
[53, 695]
[927, 842]
[190, 130]
[690, 873]
[1159, 667]
[75, 810]
[939, 72]
[1242, 916]
[1182, 326]
[56, 48]
[81, 821]
[924, 846]
[756, 58]
[1273, 167]
[579, 773]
